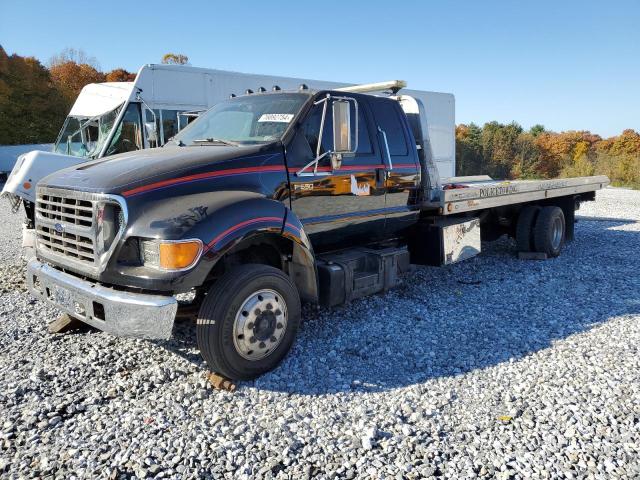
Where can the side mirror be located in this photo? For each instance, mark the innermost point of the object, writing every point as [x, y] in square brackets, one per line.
[344, 130]
[152, 131]
[342, 127]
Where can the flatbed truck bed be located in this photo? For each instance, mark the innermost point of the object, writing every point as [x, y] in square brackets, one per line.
[466, 194]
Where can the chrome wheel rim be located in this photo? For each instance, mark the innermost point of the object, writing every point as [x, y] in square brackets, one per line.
[557, 233]
[260, 324]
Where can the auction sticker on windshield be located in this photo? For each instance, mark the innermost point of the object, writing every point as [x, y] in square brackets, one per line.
[276, 117]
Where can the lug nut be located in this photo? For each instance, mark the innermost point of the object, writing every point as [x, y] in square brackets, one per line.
[279, 325]
[262, 345]
[250, 325]
[252, 340]
[269, 306]
[273, 339]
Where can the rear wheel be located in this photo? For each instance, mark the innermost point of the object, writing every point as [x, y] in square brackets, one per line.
[549, 232]
[524, 228]
[248, 321]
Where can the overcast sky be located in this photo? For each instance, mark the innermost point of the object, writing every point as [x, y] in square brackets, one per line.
[570, 65]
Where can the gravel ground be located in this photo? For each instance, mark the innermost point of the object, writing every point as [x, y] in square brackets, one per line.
[494, 368]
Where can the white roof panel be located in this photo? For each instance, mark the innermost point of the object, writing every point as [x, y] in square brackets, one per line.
[99, 98]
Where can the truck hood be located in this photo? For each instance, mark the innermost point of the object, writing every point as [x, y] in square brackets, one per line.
[130, 170]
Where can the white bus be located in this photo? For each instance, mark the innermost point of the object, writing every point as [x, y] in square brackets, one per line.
[117, 117]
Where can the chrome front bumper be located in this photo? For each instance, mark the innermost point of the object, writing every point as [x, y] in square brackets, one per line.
[117, 312]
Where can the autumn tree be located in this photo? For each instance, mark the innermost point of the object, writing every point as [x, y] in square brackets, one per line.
[120, 75]
[73, 55]
[175, 59]
[619, 158]
[32, 109]
[70, 77]
[71, 70]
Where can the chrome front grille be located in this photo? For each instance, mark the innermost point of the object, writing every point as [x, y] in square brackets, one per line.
[63, 209]
[78, 230]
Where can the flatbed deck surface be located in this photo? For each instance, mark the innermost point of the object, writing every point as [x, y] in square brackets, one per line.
[464, 194]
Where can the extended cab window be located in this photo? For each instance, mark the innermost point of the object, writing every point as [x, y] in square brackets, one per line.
[387, 117]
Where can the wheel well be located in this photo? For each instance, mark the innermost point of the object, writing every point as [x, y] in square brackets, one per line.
[264, 249]
[276, 251]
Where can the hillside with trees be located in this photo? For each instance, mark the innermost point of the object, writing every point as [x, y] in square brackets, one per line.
[34, 100]
[508, 151]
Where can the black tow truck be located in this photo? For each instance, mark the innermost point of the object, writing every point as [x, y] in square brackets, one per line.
[267, 200]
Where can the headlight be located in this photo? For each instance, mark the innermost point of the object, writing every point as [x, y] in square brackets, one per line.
[170, 254]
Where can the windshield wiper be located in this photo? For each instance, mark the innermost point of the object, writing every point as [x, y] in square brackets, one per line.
[214, 140]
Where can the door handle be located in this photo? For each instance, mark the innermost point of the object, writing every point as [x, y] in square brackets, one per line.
[381, 176]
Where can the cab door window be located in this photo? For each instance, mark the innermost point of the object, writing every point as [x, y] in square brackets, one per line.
[128, 134]
[169, 124]
[150, 119]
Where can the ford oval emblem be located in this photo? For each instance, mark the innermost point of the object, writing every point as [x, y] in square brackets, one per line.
[59, 227]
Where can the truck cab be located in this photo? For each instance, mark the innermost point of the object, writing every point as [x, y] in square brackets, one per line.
[267, 200]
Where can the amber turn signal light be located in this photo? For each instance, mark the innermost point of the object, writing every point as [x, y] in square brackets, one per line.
[179, 255]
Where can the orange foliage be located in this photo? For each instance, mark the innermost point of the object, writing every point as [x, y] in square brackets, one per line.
[70, 77]
[120, 75]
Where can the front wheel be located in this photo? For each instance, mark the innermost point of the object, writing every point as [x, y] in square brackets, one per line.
[248, 321]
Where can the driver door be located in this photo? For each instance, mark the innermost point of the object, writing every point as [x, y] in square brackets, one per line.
[337, 206]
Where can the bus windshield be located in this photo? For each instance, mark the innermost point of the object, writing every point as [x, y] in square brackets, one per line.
[249, 119]
[83, 136]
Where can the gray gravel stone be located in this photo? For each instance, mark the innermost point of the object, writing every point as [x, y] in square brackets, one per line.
[493, 368]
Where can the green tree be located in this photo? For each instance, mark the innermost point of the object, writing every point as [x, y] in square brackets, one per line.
[499, 147]
[469, 159]
[527, 157]
[536, 130]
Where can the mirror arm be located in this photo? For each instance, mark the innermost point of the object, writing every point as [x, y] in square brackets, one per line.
[314, 162]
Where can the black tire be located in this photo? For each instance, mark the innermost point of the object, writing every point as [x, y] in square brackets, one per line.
[549, 232]
[216, 326]
[524, 228]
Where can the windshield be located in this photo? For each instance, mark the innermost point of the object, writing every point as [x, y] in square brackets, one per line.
[250, 119]
[84, 136]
